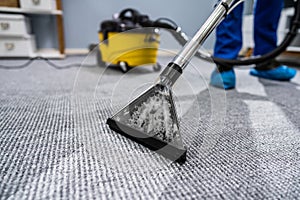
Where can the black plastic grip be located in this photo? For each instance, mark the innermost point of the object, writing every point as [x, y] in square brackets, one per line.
[170, 74]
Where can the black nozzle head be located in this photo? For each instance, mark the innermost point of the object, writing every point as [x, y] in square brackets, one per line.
[151, 120]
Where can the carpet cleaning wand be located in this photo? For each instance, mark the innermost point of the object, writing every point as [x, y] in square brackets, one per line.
[151, 119]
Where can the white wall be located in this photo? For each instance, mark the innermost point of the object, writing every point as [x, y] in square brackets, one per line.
[83, 17]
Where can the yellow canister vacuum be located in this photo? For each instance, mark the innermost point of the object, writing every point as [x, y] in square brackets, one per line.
[124, 43]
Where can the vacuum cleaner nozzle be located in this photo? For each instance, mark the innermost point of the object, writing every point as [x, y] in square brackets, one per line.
[151, 120]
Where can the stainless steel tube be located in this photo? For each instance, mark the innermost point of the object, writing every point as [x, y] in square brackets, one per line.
[190, 49]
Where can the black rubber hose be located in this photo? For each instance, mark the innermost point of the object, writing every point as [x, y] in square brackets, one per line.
[293, 30]
[295, 24]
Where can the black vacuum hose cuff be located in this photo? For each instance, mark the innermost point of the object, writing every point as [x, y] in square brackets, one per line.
[170, 74]
[225, 5]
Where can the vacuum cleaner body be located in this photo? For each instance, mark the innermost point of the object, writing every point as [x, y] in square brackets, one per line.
[135, 48]
[124, 42]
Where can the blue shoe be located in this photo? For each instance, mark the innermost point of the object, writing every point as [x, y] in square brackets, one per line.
[281, 73]
[224, 80]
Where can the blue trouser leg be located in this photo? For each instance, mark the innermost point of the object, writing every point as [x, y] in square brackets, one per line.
[229, 43]
[266, 18]
[229, 35]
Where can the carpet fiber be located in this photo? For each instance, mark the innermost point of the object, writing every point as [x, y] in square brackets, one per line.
[54, 143]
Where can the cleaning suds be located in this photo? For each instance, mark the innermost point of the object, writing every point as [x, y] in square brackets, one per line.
[154, 118]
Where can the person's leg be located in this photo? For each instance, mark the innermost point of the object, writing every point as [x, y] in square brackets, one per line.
[266, 19]
[229, 35]
[228, 45]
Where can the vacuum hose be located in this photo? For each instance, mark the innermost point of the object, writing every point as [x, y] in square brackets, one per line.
[293, 30]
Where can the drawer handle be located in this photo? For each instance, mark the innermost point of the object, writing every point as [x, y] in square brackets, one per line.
[36, 2]
[4, 26]
[9, 46]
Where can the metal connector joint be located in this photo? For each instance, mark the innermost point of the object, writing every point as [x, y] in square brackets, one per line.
[170, 74]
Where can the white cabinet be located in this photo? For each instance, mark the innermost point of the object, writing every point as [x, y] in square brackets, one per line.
[16, 38]
[14, 25]
[38, 4]
[17, 46]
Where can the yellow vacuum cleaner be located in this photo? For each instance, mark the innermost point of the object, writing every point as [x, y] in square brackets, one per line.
[124, 43]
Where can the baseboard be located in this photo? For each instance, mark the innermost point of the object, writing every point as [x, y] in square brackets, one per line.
[77, 51]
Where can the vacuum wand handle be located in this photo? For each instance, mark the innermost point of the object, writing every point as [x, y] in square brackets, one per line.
[175, 68]
[190, 49]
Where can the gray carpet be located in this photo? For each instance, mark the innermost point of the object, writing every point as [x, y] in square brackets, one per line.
[54, 143]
